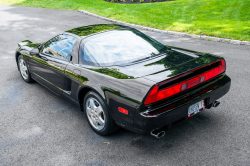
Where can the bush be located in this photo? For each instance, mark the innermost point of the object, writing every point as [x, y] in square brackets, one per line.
[152, 0]
[141, 1]
[133, 0]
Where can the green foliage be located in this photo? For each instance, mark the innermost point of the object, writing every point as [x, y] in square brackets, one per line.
[133, 0]
[81, 78]
[141, 1]
[113, 73]
[26, 41]
[33, 45]
[118, 93]
[178, 63]
[172, 59]
[88, 30]
[152, 0]
[221, 18]
[190, 66]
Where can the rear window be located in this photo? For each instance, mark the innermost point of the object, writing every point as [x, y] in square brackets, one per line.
[118, 47]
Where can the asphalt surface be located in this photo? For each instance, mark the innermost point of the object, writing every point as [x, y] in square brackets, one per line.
[39, 128]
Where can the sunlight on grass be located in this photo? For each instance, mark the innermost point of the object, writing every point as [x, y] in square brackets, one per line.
[221, 18]
[12, 2]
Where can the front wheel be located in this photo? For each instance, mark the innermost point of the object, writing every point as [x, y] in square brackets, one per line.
[24, 70]
[98, 115]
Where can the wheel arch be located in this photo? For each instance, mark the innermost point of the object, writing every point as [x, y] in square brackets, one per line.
[16, 56]
[82, 93]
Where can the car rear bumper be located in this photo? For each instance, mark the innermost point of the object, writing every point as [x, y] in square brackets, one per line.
[164, 116]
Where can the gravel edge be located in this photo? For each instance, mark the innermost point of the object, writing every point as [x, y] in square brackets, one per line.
[202, 37]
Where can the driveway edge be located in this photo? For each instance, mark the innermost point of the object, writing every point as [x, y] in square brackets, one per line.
[201, 37]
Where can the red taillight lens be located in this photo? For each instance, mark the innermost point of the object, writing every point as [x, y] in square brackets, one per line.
[152, 95]
[214, 72]
[168, 91]
[156, 95]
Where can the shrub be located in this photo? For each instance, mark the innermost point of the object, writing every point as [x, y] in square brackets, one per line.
[141, 1]
[152, 0]
[133, 0]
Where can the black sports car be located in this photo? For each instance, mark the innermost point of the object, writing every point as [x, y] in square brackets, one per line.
[122, 77]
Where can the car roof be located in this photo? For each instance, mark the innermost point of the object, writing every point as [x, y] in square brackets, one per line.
[92, 29]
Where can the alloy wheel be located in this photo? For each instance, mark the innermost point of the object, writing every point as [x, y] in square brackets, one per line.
[23, 69]
[95, 113]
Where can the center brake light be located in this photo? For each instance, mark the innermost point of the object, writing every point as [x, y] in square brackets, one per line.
[155, 94]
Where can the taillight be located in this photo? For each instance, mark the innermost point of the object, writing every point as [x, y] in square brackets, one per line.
[152, 95]
[214, 72]
[155, 94]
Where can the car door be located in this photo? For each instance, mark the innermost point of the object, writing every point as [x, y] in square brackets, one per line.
[49, 66]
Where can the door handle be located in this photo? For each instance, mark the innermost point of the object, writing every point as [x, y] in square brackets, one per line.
[44, 58]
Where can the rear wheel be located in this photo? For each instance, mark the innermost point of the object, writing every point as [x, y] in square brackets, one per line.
[24, 70]
[98, 115]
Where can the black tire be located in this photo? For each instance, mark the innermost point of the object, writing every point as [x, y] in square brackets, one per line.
[109, 125]
[27, 78]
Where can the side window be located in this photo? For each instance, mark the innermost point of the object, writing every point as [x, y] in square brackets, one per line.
[60, 46]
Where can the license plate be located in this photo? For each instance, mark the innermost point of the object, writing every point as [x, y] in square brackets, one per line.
[195, 108]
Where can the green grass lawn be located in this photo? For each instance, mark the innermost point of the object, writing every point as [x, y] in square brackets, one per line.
[221, 18]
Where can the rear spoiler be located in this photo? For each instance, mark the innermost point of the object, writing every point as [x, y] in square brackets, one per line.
[22, 43]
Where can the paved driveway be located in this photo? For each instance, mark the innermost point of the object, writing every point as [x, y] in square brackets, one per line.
[39, 128]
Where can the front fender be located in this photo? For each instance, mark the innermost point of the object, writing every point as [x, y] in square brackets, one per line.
[22, 43]
[24, 48]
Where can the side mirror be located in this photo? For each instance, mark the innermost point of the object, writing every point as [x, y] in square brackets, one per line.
[35, 51]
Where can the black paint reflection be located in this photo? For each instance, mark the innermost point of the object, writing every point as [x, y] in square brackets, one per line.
[127, 81]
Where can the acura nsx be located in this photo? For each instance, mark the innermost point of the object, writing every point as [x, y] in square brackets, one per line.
[121, 77]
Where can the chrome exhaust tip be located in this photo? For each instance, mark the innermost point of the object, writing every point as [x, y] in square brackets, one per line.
[157, 133]
[216, 104]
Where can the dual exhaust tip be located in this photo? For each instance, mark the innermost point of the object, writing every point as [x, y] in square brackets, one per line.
[158, 133]
[216, 104]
